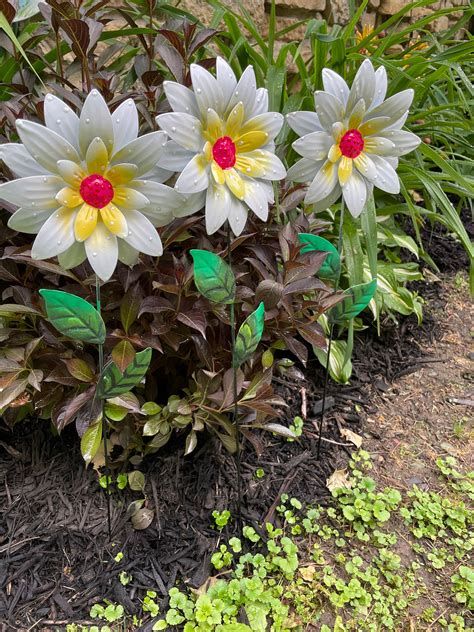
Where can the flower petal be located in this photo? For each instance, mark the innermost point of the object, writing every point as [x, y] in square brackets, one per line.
[181, 99]
[217, 172]
[185, 129]
[379, 145]
[56, 235]
[126, 253]
[374, 126]
[69, 198]
[60, 118]
[304, 170]
[303, 122]
[251, 141]
[95, 120]
[387, 179]
[328, 200]
[38, 192]
[97, 156]
[175, 157]
[71, 172]
[323, 183]
[121, 174]
[18, 159]
[380, 86]
[73, 256]
[25, 220]
[143, 152]
[195, 176]
[192, 204]
[260, 104]
[395, 107]
[274, 168]
[235, 183]
[270, 123]
[245, 91]
[114, 220]
[44, 145]
[357, 114]
[218, 201]
[207, 90]
[315, 145]
[102, 252]
[214, 126]
[142, 235]
[130, 199]
[249, 166]
[125, 124]
[344, 170]
[159, 195]
[329, 109]
[255, 197]
[235, 120]
[355, 194]
[86, 222]
[237, 216]
[404, 141]
[335, 85]
[366, 166]
[363, 86]
[226, 80]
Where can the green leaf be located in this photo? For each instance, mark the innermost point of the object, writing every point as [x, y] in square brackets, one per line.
[339, 369]
[213, 277]
[73, 316]
[90, 441]
[113, 382]
[122, 354]
[331, 267]
[249, 336]
[356, 298]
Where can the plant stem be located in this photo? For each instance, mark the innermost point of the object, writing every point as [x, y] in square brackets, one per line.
[100, 349]
[238, 462]
[331, 332]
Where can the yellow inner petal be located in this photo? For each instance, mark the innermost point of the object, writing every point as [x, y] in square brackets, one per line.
[69, 198]
[121, 174]
[208, 151]
[250, 141]
[217, 172]
[86, 221]
[344, 171]
[115, 220]
[97, 156]
[235, 183]
[249, 166]
[215, 126]
[234, 120]
[71, 173]
[334, 153]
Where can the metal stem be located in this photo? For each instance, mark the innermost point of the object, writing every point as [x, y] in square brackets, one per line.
[331, 332]
[100, 349]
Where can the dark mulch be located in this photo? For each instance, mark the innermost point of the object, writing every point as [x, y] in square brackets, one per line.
[55, 556]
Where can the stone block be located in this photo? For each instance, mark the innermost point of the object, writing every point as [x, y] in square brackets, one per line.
[337, 11]
[305, 5]
[204, 11]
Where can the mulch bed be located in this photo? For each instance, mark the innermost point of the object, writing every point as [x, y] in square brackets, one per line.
[55, 556]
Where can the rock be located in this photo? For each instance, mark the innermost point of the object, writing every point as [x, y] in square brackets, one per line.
[337, 11]
[307, 5]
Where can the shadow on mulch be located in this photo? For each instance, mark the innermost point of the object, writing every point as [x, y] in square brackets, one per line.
[55, 556]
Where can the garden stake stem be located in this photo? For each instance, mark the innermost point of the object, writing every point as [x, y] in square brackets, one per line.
[100, 348]
[331, 332]
[235, 394]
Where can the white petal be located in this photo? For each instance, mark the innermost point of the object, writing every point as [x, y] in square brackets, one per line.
[226, 79]
[366, 166]
[304, 170]
[404, 141]
[56, 235]
[335, 85]
[399, 123]
[237, 216]
[329, 109]
[102, 251]
[185, 129]
[269, 122]
[25, 220]
[180, 98]
[207, 90]
[387, 178]
[125, 124]
[395, 107]
[355, 193]
[274, 168]
[127, 254]
[315, 145]
[159, 195]
[36, 192]
[380, 86]
[379, 145]
[60, 118]
[19, 161]
[326, 202]
[142, 235]
[143, 152]
[195, 176]
[363, 86]
[261, 103]
[95, 120]
[218, 202]
[245, 91]
[393, 162]
[73, 256]
[256, 198]
[303, 122]
[44, 145]
[323, 183]
[193, 203]
[174, 157]
[158, 174]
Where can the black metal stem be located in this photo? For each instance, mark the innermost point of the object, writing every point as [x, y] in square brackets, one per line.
[331, 332]
[238, 460]
[100, 349]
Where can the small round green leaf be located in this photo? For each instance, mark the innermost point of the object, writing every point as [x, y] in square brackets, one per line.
[213, 277]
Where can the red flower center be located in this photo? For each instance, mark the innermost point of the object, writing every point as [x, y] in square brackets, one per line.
[223, 152]
[96, 191]
[352, 144]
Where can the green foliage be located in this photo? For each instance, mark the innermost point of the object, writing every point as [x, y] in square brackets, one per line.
[463, 586]
[248, 336]
[73, 316]
[213, 277]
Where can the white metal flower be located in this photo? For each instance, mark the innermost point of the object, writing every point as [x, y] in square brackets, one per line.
[353, 140]
[222, 143]
[88, 186]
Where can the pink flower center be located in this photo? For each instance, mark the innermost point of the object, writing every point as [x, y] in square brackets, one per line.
[352, 144]
[96, 191]
[223, 152]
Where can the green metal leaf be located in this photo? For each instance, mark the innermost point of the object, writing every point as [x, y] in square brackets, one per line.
[356, 298]
[249, 336]
[73, 316]
[213, 277]
[331, 268]
[113, 382]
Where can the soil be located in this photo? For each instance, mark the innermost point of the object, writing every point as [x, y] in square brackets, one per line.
[410, 398]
